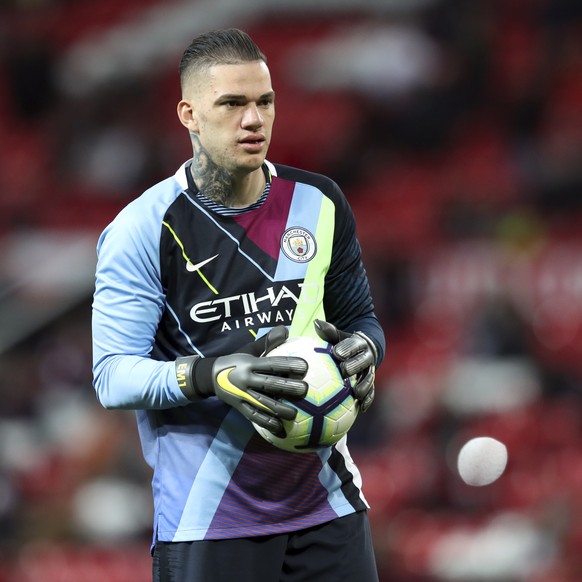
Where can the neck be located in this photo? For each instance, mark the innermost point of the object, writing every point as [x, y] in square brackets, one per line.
[224, 187]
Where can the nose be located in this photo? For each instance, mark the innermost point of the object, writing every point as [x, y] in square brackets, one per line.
[252, 118]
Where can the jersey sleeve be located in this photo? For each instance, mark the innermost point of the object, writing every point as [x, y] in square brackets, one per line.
[348, 302]
[127, 307]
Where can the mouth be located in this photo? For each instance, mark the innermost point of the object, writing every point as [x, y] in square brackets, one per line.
[253, 138]
[253, 142]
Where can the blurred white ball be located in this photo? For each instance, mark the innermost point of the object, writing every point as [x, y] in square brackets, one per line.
[482, 461]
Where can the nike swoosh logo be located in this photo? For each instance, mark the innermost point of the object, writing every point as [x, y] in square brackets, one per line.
[223, 380]
[190, 267]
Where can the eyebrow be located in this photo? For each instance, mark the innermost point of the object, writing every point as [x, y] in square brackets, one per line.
[237, 97]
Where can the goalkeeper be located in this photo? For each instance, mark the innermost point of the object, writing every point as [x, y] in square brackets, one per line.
[198, 279]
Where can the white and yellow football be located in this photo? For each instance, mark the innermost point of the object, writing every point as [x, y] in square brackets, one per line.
[328, 410]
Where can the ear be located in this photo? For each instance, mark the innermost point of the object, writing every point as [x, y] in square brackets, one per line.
[187, 115]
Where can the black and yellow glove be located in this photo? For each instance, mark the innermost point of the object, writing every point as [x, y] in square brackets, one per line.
[247, 381]
[357, 355]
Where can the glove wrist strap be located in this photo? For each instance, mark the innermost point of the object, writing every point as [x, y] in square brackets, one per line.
[194, 375]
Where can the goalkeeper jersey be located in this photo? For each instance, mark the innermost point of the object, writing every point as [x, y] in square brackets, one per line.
[175, 277]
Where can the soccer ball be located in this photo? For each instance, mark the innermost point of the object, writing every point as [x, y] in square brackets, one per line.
[329, 408]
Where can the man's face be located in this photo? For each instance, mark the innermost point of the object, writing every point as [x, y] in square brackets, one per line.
[232, 114]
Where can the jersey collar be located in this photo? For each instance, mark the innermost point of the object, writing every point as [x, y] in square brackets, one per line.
[183, 176]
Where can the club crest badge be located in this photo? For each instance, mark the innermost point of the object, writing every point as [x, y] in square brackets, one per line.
[298, 244]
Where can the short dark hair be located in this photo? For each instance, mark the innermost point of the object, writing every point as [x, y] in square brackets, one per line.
[229, 46]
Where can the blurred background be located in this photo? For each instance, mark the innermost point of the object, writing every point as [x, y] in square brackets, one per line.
[455, 131]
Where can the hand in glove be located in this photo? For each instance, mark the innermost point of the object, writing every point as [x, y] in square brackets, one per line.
[248, 381]
[357, 355]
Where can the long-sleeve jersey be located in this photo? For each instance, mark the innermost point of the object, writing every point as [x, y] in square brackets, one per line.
[174, 278]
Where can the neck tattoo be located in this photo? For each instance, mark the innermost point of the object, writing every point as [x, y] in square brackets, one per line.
[212, 180]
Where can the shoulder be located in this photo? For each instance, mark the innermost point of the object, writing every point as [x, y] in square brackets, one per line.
[140, 221]
[152, 204]
[325, 185]
[319, 181]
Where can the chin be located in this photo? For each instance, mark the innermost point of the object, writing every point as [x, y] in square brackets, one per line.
[252, 164]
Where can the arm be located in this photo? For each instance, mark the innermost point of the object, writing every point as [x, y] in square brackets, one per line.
[127, 306]
[348, 302]
[352, 327]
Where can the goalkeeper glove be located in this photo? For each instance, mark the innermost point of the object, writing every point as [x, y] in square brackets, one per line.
[248, 381]
[357, 355]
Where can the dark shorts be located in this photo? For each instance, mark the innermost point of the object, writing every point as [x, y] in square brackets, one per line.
[337, 551]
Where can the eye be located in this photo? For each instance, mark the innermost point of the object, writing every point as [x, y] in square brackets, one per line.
[266, 102]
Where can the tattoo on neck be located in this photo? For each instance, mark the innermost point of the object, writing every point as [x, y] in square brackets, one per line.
[215, 182]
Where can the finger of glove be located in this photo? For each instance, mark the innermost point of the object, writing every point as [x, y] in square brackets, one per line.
[274, 407]
[286, 366]
[358, 364]
[255, 348]
[276, 337]
[365, 385]
[367, 402]
[328, 332]
[262, 419]
[291, 388]
[350, 346]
